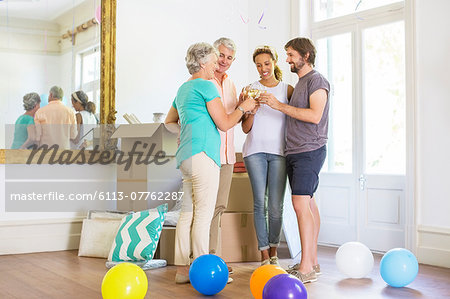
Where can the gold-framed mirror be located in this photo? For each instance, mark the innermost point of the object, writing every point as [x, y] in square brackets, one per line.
[106, 32]
[108, 58]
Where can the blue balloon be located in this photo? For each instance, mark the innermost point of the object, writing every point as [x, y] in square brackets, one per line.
[399, 267]
[284, 286]
[208, 274]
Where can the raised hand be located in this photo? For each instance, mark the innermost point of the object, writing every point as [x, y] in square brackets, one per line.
[248, 104]
[270, 100]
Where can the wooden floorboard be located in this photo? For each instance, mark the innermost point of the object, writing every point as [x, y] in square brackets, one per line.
[64, 275]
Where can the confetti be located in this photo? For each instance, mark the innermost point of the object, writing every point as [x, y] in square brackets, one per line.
[259, 22]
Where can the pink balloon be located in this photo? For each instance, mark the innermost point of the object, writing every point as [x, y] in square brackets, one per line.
[98, 14]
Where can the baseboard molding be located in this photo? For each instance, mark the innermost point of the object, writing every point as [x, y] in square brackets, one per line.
[39, 235]
[433, 246]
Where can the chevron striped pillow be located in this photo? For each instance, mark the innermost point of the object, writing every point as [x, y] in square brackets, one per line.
[138, 235]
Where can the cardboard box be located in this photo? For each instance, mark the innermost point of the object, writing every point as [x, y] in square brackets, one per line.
[239, 242]
[166, 245]
[241, 196]
[161, 136]
[148, 186]
[145, 182]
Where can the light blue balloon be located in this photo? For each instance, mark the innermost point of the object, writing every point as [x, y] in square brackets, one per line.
[399, 267]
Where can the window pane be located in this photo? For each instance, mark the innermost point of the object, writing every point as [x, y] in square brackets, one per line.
[96, 100]
[384, 98]
[91, 67]
[90, 95]
[327, 9]
[334, 61]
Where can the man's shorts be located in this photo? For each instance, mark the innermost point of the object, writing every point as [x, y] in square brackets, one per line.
[303, 171]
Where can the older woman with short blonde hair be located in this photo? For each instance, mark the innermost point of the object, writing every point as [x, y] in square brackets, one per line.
[24, 126]
[198, 110]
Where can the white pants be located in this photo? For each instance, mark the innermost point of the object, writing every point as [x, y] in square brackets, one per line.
[200, 185]
[215, 242]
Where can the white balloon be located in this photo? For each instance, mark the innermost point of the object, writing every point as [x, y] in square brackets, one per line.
[354, 259]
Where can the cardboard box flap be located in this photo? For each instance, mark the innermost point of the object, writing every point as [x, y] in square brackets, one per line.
[135, 130]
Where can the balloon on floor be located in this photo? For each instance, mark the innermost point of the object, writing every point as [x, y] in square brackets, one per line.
[208, 274]
[399, 267]
[354, 259]
[261, 276]
[284, 286]
[125, 281]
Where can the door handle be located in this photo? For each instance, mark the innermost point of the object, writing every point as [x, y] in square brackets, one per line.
[362, 182]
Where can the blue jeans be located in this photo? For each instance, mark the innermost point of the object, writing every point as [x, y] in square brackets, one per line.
[267, 173]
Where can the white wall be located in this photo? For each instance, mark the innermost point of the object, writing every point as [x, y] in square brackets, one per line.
[432, 127]
[29, 62]
[152, 42]
[75, 17]
[277, 20]
[49, 225]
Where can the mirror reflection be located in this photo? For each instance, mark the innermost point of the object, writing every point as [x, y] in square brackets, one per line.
[45, 44]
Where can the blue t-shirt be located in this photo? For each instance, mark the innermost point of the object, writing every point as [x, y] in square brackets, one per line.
[198, 130]
[20, 130]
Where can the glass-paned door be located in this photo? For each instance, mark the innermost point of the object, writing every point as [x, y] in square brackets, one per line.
[336, 193]
[361, 193]
[384, 99]
[382, 179]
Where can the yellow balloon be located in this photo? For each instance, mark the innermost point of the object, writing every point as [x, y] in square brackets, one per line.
[261, 276]
[124, 281]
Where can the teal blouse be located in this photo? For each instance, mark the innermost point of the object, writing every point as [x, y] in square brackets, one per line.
[20, 130]
[198, 130]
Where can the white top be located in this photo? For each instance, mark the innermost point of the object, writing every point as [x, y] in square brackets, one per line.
[88, 118]
[86, 130]
[267, 134]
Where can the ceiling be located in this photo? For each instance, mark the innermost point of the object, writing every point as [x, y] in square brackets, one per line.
[46, 10]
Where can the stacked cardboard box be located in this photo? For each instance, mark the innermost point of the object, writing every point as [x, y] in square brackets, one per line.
[239, 243]
[166, 245]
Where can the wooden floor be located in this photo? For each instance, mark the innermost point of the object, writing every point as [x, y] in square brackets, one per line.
[64, 275]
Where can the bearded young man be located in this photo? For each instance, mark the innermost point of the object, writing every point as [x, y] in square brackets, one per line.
[306, 138]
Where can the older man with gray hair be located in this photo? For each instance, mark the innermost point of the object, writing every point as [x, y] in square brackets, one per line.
[55, 123]
[227, 90]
